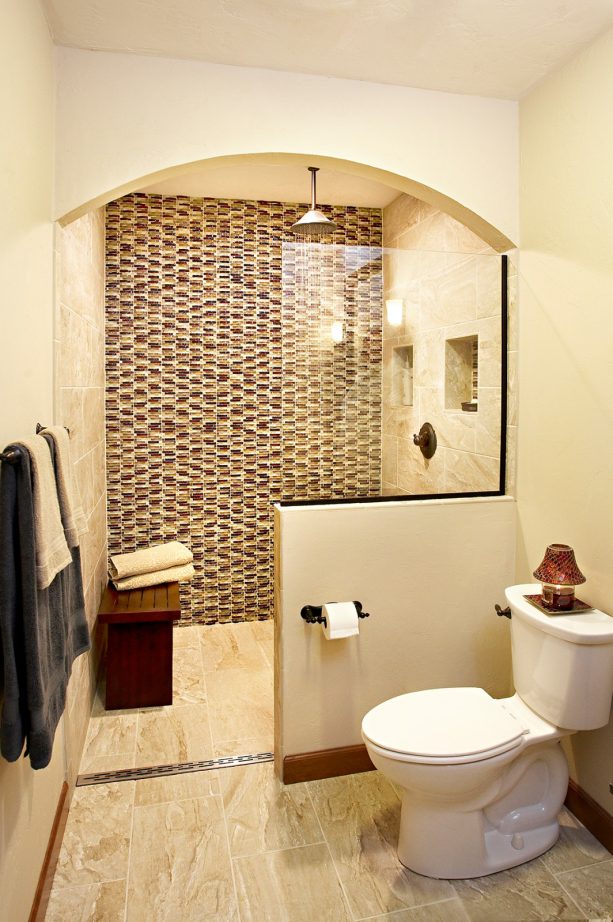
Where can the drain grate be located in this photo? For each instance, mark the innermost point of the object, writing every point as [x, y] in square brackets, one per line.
[177, 768]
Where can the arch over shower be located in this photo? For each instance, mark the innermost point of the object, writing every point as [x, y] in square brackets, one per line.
[439, 200]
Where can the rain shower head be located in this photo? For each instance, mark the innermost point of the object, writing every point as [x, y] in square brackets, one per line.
[314, 223]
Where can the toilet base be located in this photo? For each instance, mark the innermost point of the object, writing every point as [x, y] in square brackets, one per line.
[506, 823]
[481, 853]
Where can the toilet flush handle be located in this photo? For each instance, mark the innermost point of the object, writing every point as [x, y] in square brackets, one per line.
[502, 612]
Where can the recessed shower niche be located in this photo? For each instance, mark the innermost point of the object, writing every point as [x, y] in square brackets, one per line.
[402, 376]
[462, 373]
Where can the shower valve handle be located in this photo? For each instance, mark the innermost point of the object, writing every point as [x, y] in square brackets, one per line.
[426, 440]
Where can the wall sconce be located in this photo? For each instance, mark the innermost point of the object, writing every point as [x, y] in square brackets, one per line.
[337, 331]
[394, 310]
[559, 574]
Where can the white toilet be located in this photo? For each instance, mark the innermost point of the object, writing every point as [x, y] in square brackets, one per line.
[483, 779]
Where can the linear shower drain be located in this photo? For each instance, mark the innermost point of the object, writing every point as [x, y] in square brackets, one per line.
[176, 768]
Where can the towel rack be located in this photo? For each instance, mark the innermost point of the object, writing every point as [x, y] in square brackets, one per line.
[12, 457]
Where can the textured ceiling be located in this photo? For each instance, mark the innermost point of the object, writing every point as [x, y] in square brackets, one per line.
[486, 47]
[276, 183]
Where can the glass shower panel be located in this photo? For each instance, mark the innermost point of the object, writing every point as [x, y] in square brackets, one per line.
[331, 359]
[375, 342]
[451, 321]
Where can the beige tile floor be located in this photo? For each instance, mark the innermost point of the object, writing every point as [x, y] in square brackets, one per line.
[222, 704]
[234, 845]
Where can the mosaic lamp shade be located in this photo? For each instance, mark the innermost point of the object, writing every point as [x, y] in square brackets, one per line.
[559, 574]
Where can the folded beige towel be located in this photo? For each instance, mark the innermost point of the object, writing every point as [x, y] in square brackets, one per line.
[141, 580]
[52, 553]
[71, 510]
[150, 560]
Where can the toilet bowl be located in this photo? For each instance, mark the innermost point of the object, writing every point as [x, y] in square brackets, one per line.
[472, 761]
[482, 780]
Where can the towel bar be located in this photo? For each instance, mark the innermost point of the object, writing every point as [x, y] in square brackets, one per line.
[12, 457]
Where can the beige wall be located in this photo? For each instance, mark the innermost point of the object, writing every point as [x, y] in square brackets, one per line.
[123, 116]
[450, 283]
[79, 405]
[565, 487]
[425, 572]
[28, 799]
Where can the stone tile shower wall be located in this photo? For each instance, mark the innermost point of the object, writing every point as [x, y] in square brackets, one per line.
[449, 281]
[79, 405]
[225, 392]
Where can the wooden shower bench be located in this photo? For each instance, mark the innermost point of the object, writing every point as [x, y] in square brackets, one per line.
[139, 644]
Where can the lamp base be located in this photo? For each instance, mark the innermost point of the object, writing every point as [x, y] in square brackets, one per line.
[560, 598]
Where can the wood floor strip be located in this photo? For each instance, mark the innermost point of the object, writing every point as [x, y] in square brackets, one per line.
[590, 813]
[326, 763]
[45, 879]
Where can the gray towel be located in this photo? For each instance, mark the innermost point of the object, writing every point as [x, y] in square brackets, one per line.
[41, 631]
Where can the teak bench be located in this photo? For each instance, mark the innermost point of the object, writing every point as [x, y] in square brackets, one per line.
[139, 646]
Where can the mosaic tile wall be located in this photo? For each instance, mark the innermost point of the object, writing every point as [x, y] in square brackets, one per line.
[225, 390]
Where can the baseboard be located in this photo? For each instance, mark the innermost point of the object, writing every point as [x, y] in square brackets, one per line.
[45, 880]
[592, 815]
[326, 763]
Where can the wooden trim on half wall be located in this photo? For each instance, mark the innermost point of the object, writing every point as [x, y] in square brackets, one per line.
[45, 880]
[590, 813]
[326, 763]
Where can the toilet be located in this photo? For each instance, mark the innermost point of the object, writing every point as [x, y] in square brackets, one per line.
[483, 779]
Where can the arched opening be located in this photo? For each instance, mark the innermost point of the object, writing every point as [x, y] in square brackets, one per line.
[474, 222]
[214, 376]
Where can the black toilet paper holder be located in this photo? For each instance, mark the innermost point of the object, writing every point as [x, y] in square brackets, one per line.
[312, 614]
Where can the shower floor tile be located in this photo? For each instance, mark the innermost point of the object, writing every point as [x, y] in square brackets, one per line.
[233, 646]
[236, 844]
[174, 734]
[240, 703]
[222, 704]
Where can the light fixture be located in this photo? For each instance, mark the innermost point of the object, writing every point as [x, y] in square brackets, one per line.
[314, 223]
[559, 574]
[337, 331]
[394, 309]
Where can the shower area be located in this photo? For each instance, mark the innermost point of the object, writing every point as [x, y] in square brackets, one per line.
[248, 365]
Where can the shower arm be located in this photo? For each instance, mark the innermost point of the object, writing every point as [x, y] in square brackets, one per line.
[313, 170]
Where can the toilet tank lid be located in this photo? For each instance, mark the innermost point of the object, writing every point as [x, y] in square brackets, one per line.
[443, 723]
[590, 627]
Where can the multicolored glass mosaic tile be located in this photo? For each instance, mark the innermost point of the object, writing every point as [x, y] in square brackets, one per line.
[224, 389]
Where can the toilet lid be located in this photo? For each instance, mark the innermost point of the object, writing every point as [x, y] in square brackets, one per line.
[456, 724]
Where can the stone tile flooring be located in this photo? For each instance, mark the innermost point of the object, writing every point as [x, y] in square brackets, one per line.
[234, 845]
[222, 704]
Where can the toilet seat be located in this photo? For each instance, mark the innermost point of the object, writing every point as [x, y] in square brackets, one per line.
[442, 726]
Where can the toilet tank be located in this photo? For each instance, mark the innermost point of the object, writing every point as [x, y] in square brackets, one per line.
[562, 664]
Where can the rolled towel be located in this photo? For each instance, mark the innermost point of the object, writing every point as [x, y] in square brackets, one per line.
[149, 560]
[142, 580]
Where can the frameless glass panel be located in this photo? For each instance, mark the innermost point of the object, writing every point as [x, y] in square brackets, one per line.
[451, 319]
[376, 342]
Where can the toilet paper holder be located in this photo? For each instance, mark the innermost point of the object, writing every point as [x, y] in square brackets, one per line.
[312, 614]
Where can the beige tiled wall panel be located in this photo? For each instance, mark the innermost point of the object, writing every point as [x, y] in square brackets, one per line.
[79, 405]
[224, 389]
[449, 281]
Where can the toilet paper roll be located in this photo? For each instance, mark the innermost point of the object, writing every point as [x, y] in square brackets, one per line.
[341, 620]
